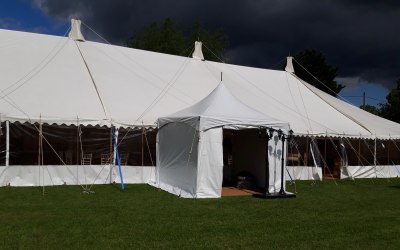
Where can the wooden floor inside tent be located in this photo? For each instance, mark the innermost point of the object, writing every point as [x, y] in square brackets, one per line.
[233, 191]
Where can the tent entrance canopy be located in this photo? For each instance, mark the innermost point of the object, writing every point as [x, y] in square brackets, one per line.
[190, 143]
[221, 109]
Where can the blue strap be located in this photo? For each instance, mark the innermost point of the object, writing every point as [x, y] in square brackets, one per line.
[118, 159]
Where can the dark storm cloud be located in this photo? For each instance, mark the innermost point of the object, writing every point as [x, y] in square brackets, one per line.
[361, 37]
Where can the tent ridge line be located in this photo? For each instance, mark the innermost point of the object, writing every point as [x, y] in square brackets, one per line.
[346, 115]
[94, 83]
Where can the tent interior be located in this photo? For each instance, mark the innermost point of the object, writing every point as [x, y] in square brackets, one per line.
[244, 153]
[72, 145]
[3, 144]
[334, 155]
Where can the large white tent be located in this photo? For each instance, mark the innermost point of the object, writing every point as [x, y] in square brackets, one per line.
[104, 84]
[190, 150]
[69, 81]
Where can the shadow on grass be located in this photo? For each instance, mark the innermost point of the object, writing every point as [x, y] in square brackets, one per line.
[395, 186]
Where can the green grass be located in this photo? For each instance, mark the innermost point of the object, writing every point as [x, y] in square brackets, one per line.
[364, 214]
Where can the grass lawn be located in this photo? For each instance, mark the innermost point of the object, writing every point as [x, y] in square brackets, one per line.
[364, 214]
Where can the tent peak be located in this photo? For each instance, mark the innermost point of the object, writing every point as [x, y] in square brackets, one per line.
[198, 52]
[289, 64]
[75, 33]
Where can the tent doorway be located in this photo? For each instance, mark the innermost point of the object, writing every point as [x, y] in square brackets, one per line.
[329, 152]
[244, 157]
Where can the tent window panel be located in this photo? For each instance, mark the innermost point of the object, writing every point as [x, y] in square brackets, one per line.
[3, 144]
[95, 141]
[381, 152]
[394, 152]
[129, 144]
[297, 152]
[150, 146]
[138, 145]
[63, 141]
[351, 146]
[24, 141]
[367, 152]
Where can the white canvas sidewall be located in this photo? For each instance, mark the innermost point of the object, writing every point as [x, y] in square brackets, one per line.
[177, 159]
[210, 164]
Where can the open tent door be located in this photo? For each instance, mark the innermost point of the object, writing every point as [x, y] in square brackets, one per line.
[245, 162]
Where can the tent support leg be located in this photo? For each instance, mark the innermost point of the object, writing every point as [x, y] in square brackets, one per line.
[7, 143]
[282, 191]
[376, 175]
[267, 164]
[115, 135]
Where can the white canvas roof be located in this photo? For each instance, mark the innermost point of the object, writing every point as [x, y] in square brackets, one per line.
[221, 108]
[57, 80]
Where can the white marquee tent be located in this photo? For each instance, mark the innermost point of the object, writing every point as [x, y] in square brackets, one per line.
[190, 150]
[69, 81]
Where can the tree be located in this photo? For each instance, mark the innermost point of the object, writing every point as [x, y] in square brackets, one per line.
[315, 63]
[391, 109]
[372, 109]
[215, 42]
[167, 37]
[164, 37]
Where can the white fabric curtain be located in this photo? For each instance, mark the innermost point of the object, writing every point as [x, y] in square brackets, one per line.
[177, 159]
[210, 164]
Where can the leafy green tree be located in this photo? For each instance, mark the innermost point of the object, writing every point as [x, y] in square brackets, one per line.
[167, 37]
[215, 43]
[315, 63]
[372, 109]
[391, 109]
[164, 37]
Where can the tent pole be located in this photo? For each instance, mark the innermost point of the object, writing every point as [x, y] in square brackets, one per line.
[115, 141]
[267, 164]
[375, 156]
[359, 150]
[282, 191]
[39, 148]
[388, 157]
[77, 151]
[7, 143]
[307, 152]
[326, 165]
[142, 146]
[111, 152]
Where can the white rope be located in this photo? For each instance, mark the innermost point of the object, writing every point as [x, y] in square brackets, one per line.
[149, 71]
[161, 94]
[148, 148]
[323, 161]
[191, 148]
[281, 104]
[93, 81]
[376, 160]
[336, 94]
[302, 100]
[36, 70]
